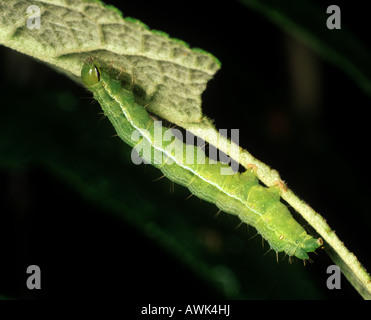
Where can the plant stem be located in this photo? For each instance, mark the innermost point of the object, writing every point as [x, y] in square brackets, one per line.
[346, 260]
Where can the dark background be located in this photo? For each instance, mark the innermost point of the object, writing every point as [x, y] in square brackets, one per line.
[296, 112]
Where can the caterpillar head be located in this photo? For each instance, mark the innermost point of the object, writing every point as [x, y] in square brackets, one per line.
[310, 244]
[90, 73]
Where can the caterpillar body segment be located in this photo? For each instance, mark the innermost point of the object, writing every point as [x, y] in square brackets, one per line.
[239, 194]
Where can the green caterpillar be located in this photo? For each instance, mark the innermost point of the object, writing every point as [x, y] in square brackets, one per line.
[236, 193]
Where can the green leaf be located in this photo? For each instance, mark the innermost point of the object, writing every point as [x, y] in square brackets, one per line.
[168, 75]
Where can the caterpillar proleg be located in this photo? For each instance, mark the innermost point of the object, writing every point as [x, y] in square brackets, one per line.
[235, 193]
